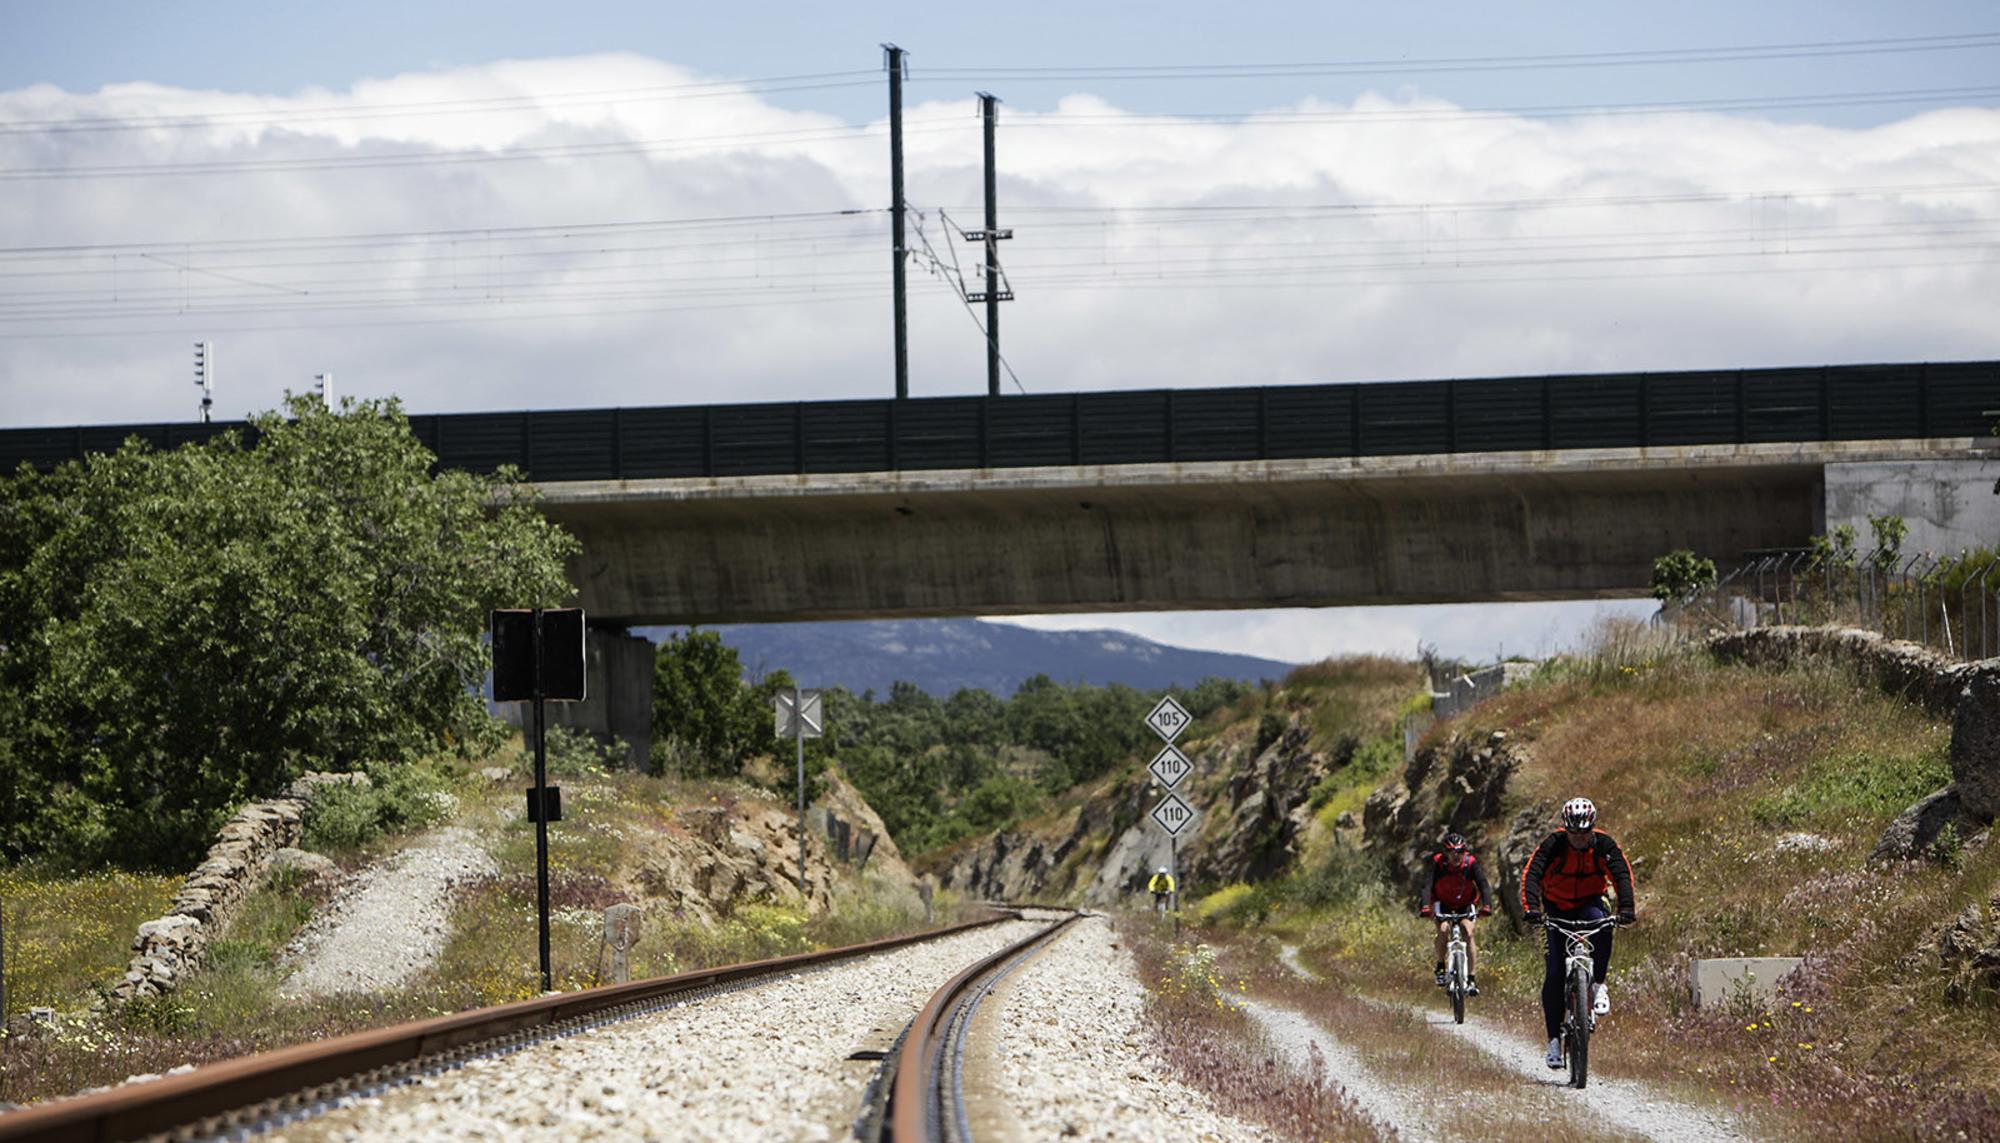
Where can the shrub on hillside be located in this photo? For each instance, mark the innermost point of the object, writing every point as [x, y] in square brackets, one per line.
[342, 818]
[186, 629]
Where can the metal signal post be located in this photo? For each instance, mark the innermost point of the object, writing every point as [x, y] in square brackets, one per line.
[539, 656]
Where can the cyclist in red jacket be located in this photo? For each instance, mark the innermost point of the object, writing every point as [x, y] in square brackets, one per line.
[1455, 884]
[1569, 874]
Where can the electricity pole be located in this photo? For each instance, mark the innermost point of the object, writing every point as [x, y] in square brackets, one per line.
[323, 382]
[895, 60]
[993, 294]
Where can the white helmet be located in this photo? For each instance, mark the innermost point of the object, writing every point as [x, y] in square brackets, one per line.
[1161, 869]
[1579, 813]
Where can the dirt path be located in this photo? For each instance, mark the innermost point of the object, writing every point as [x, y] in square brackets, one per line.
[1626, 1106]
[1298, 1037]
[389, 922]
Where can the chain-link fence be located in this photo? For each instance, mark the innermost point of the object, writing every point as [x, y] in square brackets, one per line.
[1950, 604]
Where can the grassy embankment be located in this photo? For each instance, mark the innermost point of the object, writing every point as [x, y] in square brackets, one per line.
[69, 935]
[1699, 769]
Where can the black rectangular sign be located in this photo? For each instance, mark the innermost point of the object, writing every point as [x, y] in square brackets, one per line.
[513, 656]
[562, 654]
[514, 646]
[551, 798]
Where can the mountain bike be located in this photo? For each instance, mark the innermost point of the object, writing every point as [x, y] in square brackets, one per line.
[1578, 1021]
[1457, 961]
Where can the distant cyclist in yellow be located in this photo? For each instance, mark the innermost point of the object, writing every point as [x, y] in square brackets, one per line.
[1162, 888]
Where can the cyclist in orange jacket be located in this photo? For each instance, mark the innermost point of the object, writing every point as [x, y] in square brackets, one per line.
[1569, 874]
[1455, 884]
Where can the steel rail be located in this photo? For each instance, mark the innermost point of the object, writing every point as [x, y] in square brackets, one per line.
[290, 1079]
[925, 1070]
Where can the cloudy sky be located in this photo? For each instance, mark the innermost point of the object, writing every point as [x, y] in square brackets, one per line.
[514, 205]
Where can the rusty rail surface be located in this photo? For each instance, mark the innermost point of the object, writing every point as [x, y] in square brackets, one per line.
[916, 1097]
[137, 1110]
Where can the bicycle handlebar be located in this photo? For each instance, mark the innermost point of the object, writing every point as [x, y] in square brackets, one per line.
[1442, 915]
[1578, 927]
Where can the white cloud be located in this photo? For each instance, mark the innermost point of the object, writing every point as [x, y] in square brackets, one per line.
[1475, 632]
[1395, 237]
[1429, 283]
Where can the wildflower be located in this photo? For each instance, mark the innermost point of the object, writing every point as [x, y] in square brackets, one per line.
[1798, 1003]
[1770, 1059]
[1749, 1027]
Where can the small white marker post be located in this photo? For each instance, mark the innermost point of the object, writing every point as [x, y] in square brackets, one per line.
[800, 716]
[1168, 719]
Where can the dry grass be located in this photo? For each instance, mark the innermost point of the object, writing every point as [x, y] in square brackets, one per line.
[67, 933]
[231, 1007]
[1698, 769]
[1212, 1046]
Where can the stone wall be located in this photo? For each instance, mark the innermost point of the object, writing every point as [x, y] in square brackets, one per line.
[166, 949]
[1967, 693]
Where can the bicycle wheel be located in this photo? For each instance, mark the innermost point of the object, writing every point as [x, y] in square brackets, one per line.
[1579, 1017]
[1457, 979]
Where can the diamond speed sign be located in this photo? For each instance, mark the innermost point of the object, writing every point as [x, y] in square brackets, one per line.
[1173, 814]
[1170, 767]
[1168, 719]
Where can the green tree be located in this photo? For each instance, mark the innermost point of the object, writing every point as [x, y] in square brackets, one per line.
[1835, 549]
[1890, 532]
[700, 701]
[180, 630]
[1679, 574]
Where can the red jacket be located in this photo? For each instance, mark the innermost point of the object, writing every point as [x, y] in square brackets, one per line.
[1456, 889]
[1568, 878]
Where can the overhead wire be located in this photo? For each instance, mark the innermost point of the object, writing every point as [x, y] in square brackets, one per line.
[1816, 49]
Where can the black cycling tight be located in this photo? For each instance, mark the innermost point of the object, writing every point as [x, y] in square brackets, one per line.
[1552, 970]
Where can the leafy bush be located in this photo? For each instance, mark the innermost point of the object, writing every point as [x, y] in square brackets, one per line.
[189, 628]
[578, 754]
[344, 818]
[1233, 905]
[1679, 574]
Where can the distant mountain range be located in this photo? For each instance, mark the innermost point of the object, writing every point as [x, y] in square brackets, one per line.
[944, 655]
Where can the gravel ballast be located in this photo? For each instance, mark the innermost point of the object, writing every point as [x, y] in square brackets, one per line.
[763, 1063]
[389, 922]
[1074, 1060]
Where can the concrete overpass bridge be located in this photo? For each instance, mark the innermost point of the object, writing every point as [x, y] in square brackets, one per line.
[1520, 488]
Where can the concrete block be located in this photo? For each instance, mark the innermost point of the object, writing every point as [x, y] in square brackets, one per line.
[1717, 980]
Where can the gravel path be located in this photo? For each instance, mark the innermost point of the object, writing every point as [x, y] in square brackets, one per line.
[1073, 1060]
[1627, 1105]
[1296, 1035]
[389, 922]
[765, 1063]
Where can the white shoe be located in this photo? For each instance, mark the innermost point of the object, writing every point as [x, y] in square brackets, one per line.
[1555, 1056]
[1600, 1001]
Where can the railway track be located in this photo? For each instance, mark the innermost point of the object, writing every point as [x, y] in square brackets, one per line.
[275, 1089]
[920, 1097]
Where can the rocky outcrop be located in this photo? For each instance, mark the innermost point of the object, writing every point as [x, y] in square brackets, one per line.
[1457, 785]
[717, 856]
[167, 949]
[1253, 806]
[1969, 693]
[1975, 742]
[867, 840]
[1967, 948]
